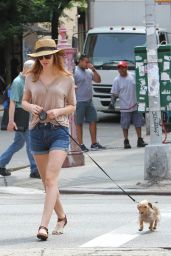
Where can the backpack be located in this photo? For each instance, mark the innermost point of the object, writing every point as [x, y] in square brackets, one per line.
[6, 97]
[2, 85]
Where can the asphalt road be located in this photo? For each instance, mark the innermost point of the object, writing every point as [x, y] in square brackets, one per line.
[93, 221]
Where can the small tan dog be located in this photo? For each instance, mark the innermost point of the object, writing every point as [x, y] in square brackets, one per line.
[148, 213]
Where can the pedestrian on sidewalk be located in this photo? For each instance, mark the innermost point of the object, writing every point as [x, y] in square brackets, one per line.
[84, 73]
[20, 137]
[124, 88]
[50, 97]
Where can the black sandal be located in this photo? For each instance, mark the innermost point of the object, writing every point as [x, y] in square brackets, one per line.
[58, 230]
[42, 236]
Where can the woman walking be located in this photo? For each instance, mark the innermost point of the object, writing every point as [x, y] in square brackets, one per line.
[50, 96]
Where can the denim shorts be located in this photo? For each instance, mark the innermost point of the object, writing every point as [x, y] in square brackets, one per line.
[85, 111]
[135, 117]
[45, 137]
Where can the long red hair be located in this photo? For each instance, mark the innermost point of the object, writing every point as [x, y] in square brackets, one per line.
[58, 63]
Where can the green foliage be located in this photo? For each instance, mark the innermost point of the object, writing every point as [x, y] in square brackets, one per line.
[13, 14]
[16, 13]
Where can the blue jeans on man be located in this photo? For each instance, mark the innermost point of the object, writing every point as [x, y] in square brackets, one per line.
[20, 139]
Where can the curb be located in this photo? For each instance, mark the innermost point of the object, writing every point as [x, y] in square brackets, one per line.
[18, 168]
[103, 251]
[114, 192]
[96, 192]
[109, 191]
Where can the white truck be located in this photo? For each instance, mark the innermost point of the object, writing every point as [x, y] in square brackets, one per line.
[117, 27]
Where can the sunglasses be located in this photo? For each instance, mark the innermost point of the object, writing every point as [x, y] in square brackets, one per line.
[46, 57]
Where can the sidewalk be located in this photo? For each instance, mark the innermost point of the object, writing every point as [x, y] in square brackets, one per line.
[125, 167]
[87, 252]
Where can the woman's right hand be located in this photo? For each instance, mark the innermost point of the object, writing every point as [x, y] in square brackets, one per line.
[35, 109]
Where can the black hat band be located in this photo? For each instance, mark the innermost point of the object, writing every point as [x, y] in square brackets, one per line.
[45, 49]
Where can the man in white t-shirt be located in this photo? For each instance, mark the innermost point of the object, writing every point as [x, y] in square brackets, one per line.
[124, 88]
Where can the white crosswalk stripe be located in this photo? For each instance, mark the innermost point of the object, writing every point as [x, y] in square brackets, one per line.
[115, 238]
[125, 234]
[110, 240]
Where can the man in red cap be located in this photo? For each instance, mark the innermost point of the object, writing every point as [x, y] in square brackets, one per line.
[125, 89]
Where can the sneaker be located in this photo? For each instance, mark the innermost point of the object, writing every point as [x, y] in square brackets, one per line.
[97, 146]
[141, 143]
[83, 148]
[126, 144]
[35, 175]
[4, 172]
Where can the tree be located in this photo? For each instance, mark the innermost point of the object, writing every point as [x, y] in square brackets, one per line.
[17, 15]
[14, 14]
[56, 9]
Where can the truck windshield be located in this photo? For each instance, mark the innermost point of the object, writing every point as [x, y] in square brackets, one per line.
[108, 47]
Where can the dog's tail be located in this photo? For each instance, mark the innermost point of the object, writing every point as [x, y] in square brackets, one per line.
[157, 212]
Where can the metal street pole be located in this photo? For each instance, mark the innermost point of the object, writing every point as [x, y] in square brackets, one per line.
[156, 154]
[153, 74]
[90, 14]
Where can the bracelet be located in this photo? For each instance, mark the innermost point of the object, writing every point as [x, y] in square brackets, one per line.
[93, 69]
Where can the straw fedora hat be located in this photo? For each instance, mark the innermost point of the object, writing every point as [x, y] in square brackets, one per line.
[45, 46]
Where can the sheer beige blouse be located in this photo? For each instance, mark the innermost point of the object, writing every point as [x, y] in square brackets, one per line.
[57, 94]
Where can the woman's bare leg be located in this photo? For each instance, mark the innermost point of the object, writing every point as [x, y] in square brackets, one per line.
[42, 161]
[49, 167]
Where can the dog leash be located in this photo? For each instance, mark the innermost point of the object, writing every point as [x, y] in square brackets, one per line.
[126, 193]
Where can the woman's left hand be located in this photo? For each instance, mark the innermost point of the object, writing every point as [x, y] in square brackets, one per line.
[53, 113]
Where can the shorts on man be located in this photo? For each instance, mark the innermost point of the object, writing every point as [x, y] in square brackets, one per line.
[134, 117]
[85, 111]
